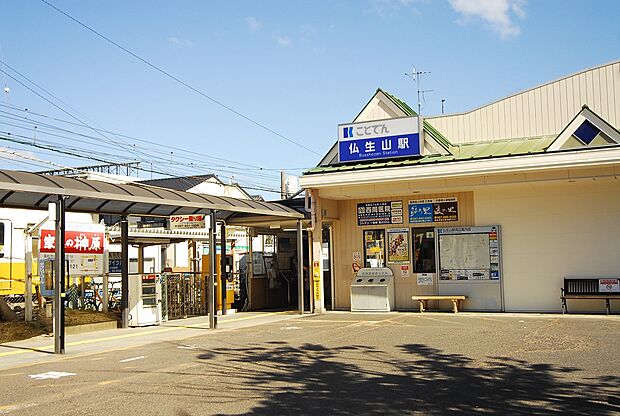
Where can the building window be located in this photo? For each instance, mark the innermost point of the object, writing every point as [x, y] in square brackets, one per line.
[423, 250]
[374, 248]
[586, 132]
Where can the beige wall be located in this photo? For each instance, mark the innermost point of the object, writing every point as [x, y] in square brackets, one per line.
[348, 239]
[550, 231]
[541, 111]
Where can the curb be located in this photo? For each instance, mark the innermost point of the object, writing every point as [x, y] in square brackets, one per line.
[98, 326]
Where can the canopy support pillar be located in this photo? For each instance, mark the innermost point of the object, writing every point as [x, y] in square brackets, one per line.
[125, 271]
[300, 268]
[59, 272]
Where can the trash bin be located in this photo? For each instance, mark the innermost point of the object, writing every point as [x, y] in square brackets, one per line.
[372, 290]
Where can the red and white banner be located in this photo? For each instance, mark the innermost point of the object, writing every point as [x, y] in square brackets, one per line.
[80, 239]
[178, 222]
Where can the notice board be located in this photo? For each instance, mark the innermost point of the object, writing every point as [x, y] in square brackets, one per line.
[469, 253]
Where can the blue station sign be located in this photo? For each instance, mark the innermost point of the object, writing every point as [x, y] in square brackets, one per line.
[383, 139]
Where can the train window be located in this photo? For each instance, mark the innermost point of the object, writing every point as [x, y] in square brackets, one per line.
[1, 234]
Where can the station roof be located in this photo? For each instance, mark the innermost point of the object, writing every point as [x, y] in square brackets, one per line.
[34, 191]
[468, 151]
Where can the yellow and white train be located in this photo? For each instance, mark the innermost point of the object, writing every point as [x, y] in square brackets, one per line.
[15, 228]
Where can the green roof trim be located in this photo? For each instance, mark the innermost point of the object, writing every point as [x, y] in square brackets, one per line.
[435, 134]
[462, 152]
[399, 103]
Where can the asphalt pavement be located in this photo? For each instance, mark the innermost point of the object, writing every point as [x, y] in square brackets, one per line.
[332, 364]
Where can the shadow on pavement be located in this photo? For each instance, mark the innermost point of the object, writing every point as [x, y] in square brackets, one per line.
[414, 379]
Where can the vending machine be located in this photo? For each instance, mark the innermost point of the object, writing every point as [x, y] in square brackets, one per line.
[145, 299]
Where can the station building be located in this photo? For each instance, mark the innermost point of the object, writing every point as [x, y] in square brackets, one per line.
[499, 203]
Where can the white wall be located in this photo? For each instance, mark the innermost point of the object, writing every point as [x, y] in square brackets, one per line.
[550, 231]
[214, 187]
[541, 111]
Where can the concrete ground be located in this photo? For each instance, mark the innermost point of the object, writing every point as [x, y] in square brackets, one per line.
[330, 364]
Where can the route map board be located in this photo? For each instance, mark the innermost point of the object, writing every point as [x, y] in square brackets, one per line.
[469, 253]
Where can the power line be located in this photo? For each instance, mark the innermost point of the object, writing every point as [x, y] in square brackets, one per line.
[61, 109]
[150, 142]
[185, 84]
[99, 131]
[42, 128]
[24, 141]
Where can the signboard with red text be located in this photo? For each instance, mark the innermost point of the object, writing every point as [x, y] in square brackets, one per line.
[84, 246]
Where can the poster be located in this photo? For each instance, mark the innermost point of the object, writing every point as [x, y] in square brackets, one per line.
[404, 270]
[377, 213]
[433, 210]
[398, 245]
[425, 279]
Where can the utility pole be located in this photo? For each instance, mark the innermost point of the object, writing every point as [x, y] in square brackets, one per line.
[283, 193]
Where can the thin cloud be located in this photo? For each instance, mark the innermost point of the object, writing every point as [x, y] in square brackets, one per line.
[498, 14]
[388, 8]
[180, 43]
[253, 23]
[283, 41]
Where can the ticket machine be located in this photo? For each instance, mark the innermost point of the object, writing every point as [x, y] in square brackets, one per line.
[145, 299]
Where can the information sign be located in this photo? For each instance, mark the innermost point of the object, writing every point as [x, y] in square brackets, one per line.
[83, 247]
[114, 262]
[433, 210]
[469, 253]
[608, 285]
[376, 213]
[180, 222]
[380, 139]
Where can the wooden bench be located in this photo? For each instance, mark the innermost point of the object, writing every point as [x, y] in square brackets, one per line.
[585, 288]
[423, 300]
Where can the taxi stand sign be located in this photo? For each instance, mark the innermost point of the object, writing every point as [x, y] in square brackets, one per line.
[382, 139]
[183, 222]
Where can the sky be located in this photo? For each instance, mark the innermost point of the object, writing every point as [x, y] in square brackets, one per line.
[266, 82]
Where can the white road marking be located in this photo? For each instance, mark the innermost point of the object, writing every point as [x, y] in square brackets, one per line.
[186, 347]
[50, 374]
[126, 360]
[284, 328]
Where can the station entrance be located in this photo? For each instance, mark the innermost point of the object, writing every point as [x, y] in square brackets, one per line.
[57, 195]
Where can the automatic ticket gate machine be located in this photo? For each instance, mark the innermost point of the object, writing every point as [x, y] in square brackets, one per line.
[230, 286]
[145, 299]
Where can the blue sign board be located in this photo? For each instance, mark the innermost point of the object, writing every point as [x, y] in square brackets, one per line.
[420, 212]
[380, 147]
[433, 210]
[380, 139]
[114, 265]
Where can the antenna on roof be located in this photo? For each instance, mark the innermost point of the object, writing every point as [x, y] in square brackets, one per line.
[416, 75]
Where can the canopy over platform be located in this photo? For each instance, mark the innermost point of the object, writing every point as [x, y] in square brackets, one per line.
[28, 190]
[34, 191]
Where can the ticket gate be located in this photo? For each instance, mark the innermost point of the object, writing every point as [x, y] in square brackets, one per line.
[145, 299]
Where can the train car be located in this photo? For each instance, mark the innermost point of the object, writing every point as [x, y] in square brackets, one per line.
[16, 225]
